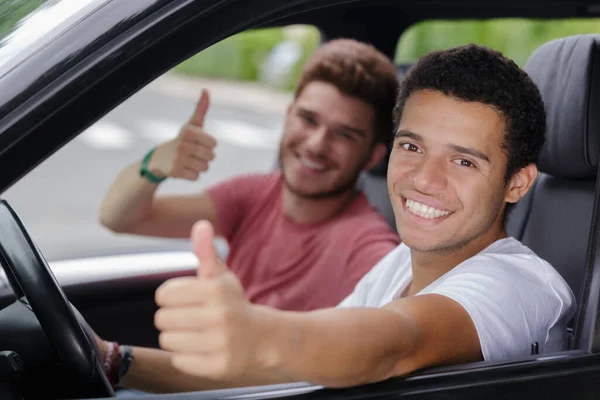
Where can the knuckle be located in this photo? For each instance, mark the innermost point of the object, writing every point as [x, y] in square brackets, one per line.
[159, 319]
[221, 368]
[194, 175]
[211, 139]
[186, 132]
[163, 340]
[212, 288]
[223, 320]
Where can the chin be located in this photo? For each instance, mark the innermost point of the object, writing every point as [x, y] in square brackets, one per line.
[300, 188]
[423, 244]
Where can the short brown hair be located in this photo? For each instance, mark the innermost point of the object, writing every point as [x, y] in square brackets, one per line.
[358, 70]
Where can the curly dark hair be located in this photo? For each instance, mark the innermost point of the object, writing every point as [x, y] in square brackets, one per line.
[479, 74]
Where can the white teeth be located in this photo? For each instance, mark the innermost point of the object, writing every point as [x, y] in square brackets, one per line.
[425, 211]
[311, 165]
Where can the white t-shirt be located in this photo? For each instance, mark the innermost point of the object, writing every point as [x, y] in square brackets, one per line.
[513, 296]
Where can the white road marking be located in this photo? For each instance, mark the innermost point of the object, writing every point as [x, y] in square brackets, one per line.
[158, 130]
[106, 135]
[243, 134]
[234, 132]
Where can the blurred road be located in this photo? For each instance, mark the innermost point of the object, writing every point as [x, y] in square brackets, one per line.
[59, 199]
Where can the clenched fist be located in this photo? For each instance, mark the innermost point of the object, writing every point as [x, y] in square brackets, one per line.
[190, 152]
[206, 321]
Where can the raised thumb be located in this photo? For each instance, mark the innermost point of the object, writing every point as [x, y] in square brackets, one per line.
[201, 109]
[203, 235]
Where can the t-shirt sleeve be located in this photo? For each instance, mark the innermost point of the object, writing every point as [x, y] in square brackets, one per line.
[365, 292]
[232, 200]
[512, 302]
[370, 247]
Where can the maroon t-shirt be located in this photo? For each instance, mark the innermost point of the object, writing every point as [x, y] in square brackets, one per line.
[293, 266]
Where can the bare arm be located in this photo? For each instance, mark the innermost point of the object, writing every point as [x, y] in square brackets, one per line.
[130, 205]
[151, 371]
[216, 334]
[347, 347]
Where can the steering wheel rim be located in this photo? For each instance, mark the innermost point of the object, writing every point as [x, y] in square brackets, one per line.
[29, 275]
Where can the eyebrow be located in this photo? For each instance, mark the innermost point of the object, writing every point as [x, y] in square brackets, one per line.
[459, 149]
[469, 151]
[408, 134]
[349, 128]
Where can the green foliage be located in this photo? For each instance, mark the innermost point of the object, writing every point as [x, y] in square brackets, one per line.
[239, 57]
[12, 11]
[515, 38]
[236, 57]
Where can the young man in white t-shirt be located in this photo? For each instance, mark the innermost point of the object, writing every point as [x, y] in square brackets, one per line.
[469, 127]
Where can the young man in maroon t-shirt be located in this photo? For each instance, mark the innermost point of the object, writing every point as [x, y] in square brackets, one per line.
[302, 237]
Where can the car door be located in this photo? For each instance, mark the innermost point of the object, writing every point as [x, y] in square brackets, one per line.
[73, 81]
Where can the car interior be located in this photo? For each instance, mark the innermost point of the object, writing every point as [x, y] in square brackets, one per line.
[558, 218]
[555, 217]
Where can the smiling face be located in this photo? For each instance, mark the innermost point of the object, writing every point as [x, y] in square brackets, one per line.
[446, 174]
[328, 140]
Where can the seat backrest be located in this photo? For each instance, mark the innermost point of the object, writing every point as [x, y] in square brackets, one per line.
[554, 218]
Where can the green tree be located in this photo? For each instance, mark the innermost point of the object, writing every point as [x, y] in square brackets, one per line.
[13, 11]
[515, 38]
[240, 57]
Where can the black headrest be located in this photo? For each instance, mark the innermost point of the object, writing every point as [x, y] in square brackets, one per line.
[567, 71]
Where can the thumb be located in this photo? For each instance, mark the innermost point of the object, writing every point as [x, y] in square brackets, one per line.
[203, 235]
[201, 109]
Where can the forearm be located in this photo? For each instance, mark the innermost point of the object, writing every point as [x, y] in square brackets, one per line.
[128, 201]
[340, 347]
[151, 371]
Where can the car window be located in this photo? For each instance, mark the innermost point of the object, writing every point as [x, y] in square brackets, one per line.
[515, 38]
[250, 77]
[25, 26]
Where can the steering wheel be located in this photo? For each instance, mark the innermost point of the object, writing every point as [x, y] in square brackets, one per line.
[29, 276]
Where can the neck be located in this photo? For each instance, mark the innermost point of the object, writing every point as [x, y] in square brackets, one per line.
[429, 266]
[304, 210]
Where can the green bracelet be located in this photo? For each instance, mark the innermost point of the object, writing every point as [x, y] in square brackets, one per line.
[144, 172]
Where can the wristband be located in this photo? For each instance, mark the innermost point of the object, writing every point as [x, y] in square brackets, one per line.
[125, 360]
[145, 172]
[111, 362]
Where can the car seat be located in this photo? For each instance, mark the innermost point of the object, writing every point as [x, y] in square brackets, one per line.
[554, 218]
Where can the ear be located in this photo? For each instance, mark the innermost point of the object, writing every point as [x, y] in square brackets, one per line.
[520, 183]
[377, 155]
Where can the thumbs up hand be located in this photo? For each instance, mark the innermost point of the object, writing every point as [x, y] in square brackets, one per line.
[212, 330]
[190, 152]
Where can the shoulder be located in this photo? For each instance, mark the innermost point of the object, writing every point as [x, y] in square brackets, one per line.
[399, 255]
[508, 259]
[362, 237]
[361, 216]
[381, 282]
[272, 178]
[507, 288]
[512, 266]
[247, 184]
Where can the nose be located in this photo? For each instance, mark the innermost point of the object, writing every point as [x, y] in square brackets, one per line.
[429, 175]
[317, 142]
